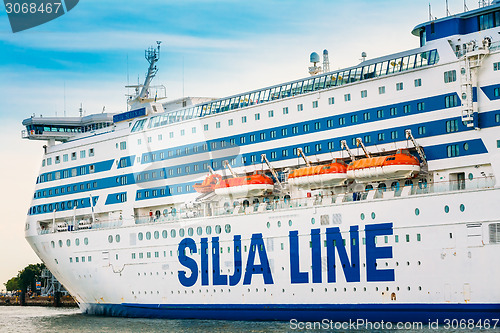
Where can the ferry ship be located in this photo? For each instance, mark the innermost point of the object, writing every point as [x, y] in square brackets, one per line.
[367, 192]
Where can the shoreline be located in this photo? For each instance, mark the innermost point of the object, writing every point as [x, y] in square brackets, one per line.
[48, 301]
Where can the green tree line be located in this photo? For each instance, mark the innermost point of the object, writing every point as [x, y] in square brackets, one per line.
[26, 278]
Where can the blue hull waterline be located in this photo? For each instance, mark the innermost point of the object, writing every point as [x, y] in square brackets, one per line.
[373, 312]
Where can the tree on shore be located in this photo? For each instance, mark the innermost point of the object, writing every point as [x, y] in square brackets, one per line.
[26, 278]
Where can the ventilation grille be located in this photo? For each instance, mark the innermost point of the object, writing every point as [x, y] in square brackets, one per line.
[494, 233]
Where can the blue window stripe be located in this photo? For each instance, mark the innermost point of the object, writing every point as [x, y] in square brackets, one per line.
[63, 205]
[489, 91]
[98, 167]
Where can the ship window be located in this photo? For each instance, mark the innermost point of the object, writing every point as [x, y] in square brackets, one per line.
[110, 239]
[354, 118]
[451, 101]
[284, 152]
[407, 238]
[366, 116]
[452, 126]
[58, 159]
[172, 233]
[285, 110]
[367, 139]
[407, 108]
[347, 97]
[399, 86]
[205, 127]
[270, 113]
[257, 116]
[208, 230]
[419, 238]
[452, 150]
[450, 76]
[244, 119]
[306, 128]
[171, 134]
[43, 162]
[315, 104]
[217, 124]
[380, 113]
[183, 132]
[77, 259]
[446, 209]
[418, 82]
[364, 93]
[393, 111]
[381, 136]
[421, 130]
[300, 107]
[73, 156]
[496, 65]
[381, 90]
[342, 121]
[394, 135]
[295, 129]
[123, 146]
[331, 100]
[421, 106]
[49, 161]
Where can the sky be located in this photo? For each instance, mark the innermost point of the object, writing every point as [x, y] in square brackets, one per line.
[209, 48]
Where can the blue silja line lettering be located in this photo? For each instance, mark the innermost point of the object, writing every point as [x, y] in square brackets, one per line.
[204, 261]
[351, 267]
[257, 246]
[188, 262]
[373, 253]
[296, 276]
[316, 255]
[236, 277]
[218, 278]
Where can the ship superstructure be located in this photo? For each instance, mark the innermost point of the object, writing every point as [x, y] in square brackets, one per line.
[367, 192]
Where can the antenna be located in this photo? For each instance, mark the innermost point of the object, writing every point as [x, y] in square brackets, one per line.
[430, 13]
[447, 9]
[326, 62]
[81, 110]
[363, 56]
[466, 9]
[64, 98]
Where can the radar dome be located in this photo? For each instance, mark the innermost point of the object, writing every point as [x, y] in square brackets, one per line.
[363, 54]
[325, 52]
[314, 57]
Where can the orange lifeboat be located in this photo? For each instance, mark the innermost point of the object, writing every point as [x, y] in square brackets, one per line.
[208, 184]
[333, 174]
[396, 166]
[254, 185]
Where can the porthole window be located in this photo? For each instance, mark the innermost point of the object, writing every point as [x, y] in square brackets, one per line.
[164, 234]
[110, 239]
[174, 211]
[268, 225]
[228, 228]
[60, 243]
[289, 223]
[172, 233]
[462, 207]
[446, 209]
[373, 215]
[466, 146]
[218, 229]
[208, 230]
[199, 230]
[68, 242]
[279, 224]
[362, 216]
[53, 244]
[190, 232]
[471, 176]
[77, 241]
[157, 234]
[417, 211]
[117, 238]
[86, 241]
[140, 236]
[313, 221]
[181, 232]
[148, 235]
[165, 212]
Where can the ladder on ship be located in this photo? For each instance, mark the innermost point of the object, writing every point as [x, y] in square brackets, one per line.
[469, 66]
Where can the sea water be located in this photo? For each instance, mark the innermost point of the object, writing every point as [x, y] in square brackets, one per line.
[51, 320]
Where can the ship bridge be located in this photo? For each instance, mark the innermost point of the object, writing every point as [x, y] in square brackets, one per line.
[64, 128]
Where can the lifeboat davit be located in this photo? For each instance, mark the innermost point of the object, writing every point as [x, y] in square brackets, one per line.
[321, 176]
[247, 186]
[396, 166]
[208, 184]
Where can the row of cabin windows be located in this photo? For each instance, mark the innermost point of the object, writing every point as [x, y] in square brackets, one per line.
[156, 193]
[173, 233]
[68, 242]
[56, 175]
[59, 206]
[77, 259]
[65, 157]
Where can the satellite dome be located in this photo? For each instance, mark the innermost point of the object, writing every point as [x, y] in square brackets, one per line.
[363, 54]
[325, 52]
[314, 57]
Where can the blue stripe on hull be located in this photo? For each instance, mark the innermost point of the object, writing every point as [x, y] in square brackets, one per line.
[303, 312]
